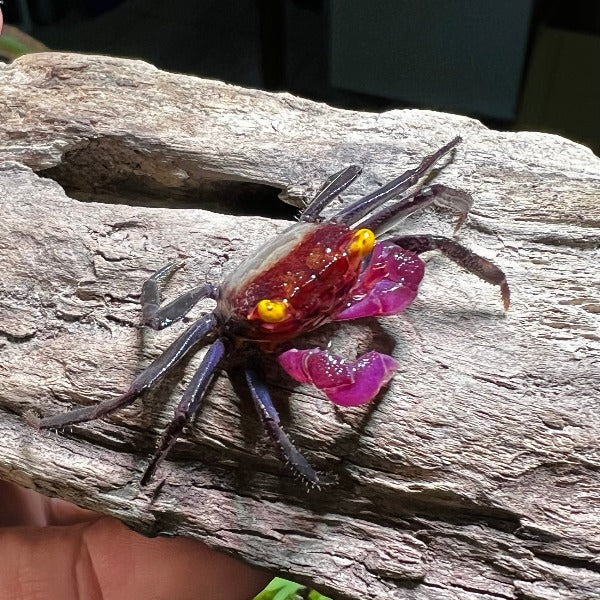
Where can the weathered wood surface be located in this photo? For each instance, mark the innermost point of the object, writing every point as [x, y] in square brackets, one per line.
[474, 476]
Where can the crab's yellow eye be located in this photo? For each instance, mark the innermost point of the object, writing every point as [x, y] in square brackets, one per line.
[362, 243]
[271, 311]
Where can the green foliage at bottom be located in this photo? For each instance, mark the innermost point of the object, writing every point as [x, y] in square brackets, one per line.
[11, 48]
[282, 589]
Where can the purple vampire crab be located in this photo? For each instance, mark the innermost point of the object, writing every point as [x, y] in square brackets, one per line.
[321, 269]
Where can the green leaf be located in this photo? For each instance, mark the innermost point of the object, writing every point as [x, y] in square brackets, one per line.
[279, 589]
[282, 589]
[12, 47]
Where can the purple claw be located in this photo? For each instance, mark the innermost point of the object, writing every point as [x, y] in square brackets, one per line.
[345, 382]
[387, 286]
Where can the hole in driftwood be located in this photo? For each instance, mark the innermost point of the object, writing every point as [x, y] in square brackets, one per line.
[119, 171]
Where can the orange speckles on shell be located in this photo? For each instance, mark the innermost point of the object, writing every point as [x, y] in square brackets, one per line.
[318, 257]
[312, 277]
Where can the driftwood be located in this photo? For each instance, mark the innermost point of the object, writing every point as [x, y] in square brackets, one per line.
[475, 475]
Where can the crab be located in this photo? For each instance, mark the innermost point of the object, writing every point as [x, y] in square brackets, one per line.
[320, 270]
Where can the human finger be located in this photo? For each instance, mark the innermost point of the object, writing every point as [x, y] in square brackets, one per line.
[21, 506]
[104, 560]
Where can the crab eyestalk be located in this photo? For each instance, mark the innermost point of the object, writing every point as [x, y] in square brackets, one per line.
[362, 243]
[272, 311]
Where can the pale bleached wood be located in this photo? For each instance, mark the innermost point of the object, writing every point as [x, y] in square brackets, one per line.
[474, 476]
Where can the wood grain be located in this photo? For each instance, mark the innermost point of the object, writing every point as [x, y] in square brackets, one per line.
[474, 476]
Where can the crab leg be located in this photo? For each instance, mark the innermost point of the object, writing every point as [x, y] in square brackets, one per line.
[332, 188]
[354, 213]
[437, 194]
[191, 337]
[270, 419]
[158, 318]
[188, 405]
[483, 268]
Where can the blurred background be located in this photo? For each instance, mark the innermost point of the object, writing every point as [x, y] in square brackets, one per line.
[515, 64]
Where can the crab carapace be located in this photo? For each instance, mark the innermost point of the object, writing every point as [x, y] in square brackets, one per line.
[321, 269]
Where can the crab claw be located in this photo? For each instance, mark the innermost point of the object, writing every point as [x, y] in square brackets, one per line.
[388, 284]
[345, 382]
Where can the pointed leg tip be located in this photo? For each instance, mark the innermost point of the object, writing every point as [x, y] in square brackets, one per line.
[451, 145]
[175, 264]
[459, 224]
[32, 419]
[311, 480]
[302, 470]
[505, 293]
[314, 486]
[147, 476]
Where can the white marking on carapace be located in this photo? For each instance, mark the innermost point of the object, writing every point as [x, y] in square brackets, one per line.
[266, 256]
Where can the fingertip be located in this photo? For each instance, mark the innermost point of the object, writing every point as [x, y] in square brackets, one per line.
[130, 565]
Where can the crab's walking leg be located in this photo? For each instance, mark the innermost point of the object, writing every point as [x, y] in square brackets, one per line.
[188, 405]
[270, 418]
[332, 188]
[191, 337]
[354, 213]
[437, 194]
[483, 268]
[158, 318]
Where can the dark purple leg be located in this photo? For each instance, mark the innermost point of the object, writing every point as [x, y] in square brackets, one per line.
[187, 407]
[270, 419]
[191, 338]
[158, 318]
[437, 194]
[354, 213]
[332, 188]
[482, 267]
